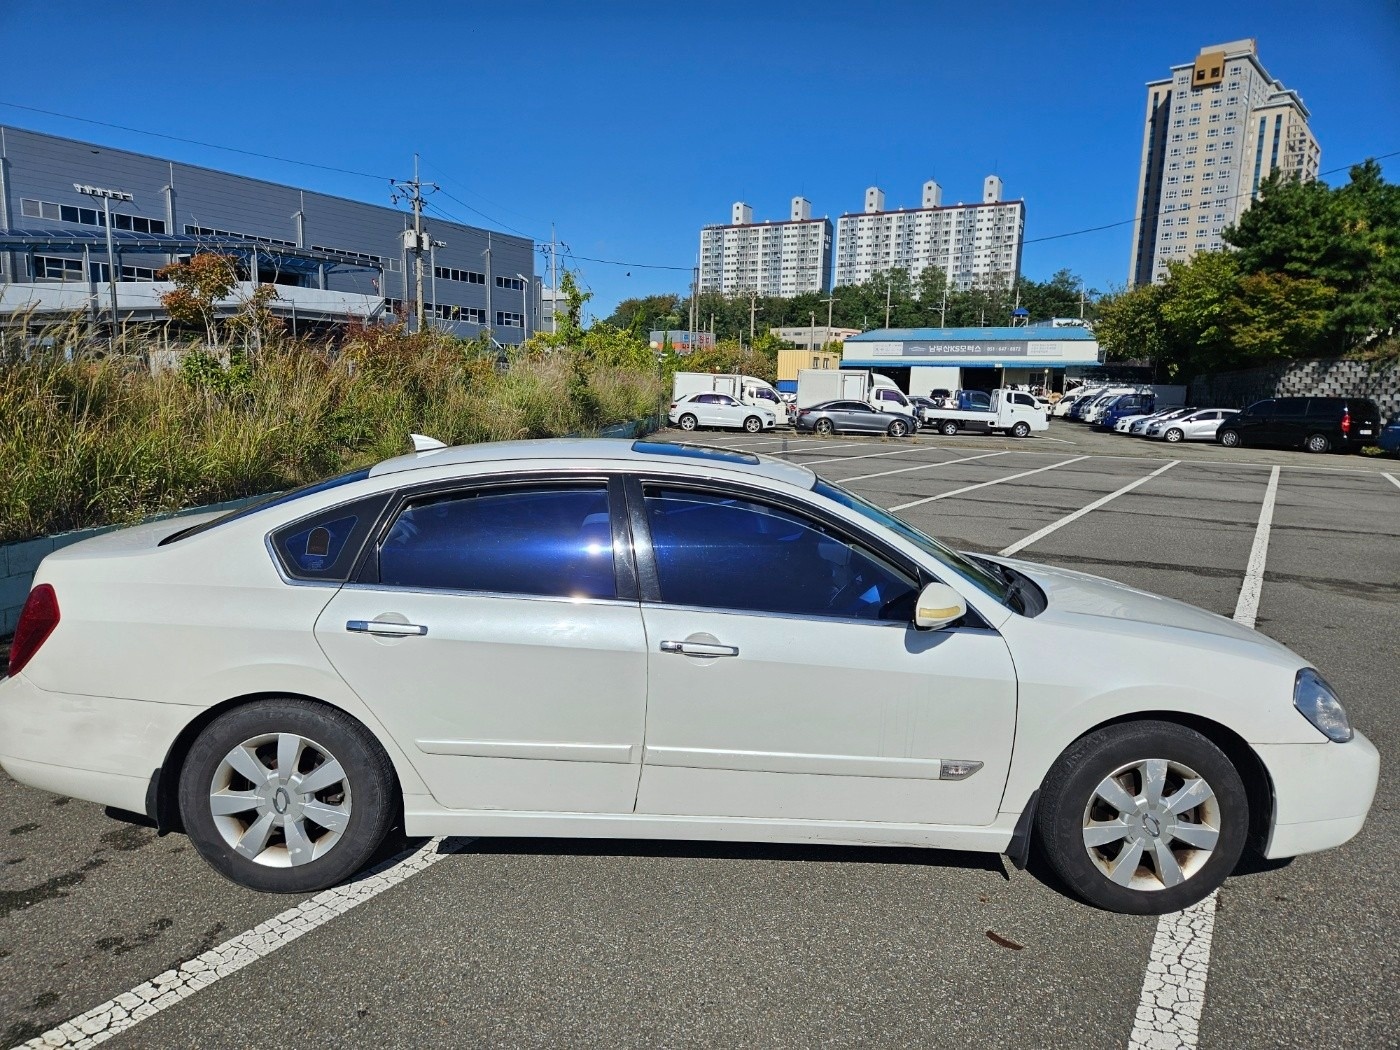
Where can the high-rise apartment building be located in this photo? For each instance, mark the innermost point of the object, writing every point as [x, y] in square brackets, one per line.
[768, 258]
[1214, 130]
[973, 244]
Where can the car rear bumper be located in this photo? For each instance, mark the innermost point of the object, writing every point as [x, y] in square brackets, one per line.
[1322, 793]
[96, 748]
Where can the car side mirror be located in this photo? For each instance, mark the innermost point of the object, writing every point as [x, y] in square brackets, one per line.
[938, 606]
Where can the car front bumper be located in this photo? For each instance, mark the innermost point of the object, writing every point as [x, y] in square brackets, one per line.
[97, 748]
[1322, 793]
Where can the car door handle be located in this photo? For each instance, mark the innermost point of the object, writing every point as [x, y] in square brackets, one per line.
[699, 649]
[384, 627]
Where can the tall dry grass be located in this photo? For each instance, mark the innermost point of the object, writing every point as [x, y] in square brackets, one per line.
[101, 440]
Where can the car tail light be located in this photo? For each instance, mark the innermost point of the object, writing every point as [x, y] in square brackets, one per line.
[1346, 421]
[36, 622]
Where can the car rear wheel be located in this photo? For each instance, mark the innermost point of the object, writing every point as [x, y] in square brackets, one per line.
[286, 796]
[949, 427]
[688, 422]
[1230, 438]
[1021, 429]
[1143, 817]
[1173, 435]
[1317, 443]
[753, 424]
[823, 427]
[897, 428]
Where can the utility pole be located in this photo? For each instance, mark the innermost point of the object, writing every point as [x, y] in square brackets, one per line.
[753, 313]
[417, 239]
[107, 196]
[889, 289]
[812, 334]
[694, 302]
[830, 300]
[553, 282]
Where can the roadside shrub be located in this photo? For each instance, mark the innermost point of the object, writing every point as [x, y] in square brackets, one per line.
[91, 439]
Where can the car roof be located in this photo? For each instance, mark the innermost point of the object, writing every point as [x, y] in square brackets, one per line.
[638, 454]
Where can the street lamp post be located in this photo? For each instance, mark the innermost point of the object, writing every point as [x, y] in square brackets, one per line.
[524, 307]
[107, 196]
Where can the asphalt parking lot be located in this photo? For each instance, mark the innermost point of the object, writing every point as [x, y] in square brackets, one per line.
[540, 942]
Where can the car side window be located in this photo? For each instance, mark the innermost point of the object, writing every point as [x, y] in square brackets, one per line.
[547, 540]
[719, 552]
[326, 545]
[704, 399]
[1290, 408]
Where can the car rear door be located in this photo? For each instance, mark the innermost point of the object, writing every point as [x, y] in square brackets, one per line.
[495, 632]
[786, 680]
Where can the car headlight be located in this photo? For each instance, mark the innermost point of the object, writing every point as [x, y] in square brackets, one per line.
[1316, 702]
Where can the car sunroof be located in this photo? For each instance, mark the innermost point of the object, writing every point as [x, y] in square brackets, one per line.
[701, 452]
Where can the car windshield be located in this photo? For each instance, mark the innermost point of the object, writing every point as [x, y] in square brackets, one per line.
[976, 573]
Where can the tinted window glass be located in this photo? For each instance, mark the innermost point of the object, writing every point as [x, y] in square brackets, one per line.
[1260, 408]
[545, 541]
[1325, 407]
[723, 553]
[1290, 407]
[325, 545]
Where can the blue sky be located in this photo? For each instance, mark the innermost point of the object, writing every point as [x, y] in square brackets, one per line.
[630, 125]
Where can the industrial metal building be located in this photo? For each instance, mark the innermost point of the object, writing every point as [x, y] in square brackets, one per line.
[924, 359]
[333, 260]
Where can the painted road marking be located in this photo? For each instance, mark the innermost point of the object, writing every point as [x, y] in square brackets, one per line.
[1040, 534]
[868, 455]
[921, 466]
[1248, 605]
[982, 485]
[165, 990]
[1390, 478]
[1174, 987]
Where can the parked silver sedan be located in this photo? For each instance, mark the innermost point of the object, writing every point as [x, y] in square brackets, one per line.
[1139, 426]
[1200, 425]
[850, 417]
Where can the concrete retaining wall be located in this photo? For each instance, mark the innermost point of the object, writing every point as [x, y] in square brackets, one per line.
[1322, 378]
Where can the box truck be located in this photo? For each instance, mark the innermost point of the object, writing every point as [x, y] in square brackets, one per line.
[815, 385]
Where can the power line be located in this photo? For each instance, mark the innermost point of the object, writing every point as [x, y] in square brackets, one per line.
[196, 142]
[1222, 200]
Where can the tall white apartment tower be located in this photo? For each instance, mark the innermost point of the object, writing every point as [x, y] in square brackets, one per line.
[1214, 129]
[975, 245]
[767, 258]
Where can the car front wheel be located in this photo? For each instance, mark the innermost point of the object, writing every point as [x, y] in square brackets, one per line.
[897, 429]
[1173, 435]
[1230, 438]
[1143, 817]
[753, 424]
[1021, 429]
[286, 796]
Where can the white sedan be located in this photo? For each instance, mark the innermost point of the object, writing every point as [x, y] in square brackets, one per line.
[645, 640]
[719, 410]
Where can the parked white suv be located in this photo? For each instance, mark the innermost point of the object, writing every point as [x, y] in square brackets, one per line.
[708, 409]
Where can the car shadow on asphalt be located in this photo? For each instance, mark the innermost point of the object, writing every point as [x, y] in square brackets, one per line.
[765, 851]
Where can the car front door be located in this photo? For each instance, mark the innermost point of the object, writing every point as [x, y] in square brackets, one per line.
[1202, 426]
[786, 680]
[1255, 421]
[861, 417]
[495, 633]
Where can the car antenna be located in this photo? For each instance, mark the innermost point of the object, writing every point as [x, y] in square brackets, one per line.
[423, 443]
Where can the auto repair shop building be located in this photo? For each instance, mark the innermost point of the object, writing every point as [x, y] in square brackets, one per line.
[924, 359]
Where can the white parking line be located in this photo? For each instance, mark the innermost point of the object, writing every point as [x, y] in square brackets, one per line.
[982, 485]
[921, 466]
[823, 447]
[1390, 478]
[165, 990]
[1040, 534]
[868, 455]
[1174, 988]
[1248, 605]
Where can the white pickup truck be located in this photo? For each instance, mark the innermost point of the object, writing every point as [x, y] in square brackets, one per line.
[1010, 411]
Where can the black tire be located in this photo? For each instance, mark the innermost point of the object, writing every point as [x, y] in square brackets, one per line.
[1069, 799]
[948, 427]
[897, 428]
[1021, 429]
[687, 422]
[753, 425]
[1230, 438]
[368, 789]
[1318, 443]
[1173, 435]
[823, 427]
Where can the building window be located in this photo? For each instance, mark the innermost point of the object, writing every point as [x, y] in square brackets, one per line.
[446, 273]
[514, 284]
[52, 268]
[35, 209]
[509, 320]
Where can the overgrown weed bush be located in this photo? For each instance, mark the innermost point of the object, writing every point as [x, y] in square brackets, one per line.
[93, 440]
